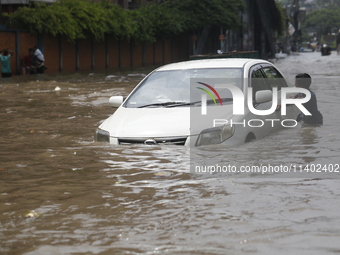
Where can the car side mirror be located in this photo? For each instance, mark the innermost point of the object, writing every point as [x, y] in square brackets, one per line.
[263, 96]
[116, 101]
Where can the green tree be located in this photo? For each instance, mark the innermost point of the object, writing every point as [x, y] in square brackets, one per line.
[324, 21]
[39, 18]
[118, 22]
[327, 3]
[78, 19]
[198, 14]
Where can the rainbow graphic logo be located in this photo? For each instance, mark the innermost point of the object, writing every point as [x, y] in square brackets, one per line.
[211, 94]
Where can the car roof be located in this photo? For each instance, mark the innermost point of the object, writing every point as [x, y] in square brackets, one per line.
[212, 63]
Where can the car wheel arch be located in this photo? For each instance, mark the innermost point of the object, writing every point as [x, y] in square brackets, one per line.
[250, 137]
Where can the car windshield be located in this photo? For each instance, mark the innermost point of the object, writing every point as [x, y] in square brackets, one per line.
[177, 88]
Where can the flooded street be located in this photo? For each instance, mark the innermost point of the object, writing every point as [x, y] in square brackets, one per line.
[62, 193]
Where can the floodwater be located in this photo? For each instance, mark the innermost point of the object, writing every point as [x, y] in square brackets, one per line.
[61, 193]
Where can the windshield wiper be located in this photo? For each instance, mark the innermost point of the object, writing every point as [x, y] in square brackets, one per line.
[209, 102]
[227, 99]
[181, 103]
[165, 104]
[184, 104]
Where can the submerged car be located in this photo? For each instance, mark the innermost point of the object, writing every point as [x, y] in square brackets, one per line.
[200, 102]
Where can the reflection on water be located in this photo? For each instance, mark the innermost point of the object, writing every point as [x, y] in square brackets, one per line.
[93, 198]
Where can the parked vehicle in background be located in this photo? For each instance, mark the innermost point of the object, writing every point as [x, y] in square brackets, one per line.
[330, 40]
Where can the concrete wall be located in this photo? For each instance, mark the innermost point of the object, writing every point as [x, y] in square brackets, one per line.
[89, 55]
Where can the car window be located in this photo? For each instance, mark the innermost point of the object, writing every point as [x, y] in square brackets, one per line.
[185, 86]
[258, 81]
[274, 78]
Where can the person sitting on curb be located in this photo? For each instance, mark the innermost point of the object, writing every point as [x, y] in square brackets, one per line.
[39, 60]
[27, 62]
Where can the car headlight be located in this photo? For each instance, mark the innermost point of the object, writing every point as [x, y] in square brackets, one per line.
[215, 135]
[102, 135]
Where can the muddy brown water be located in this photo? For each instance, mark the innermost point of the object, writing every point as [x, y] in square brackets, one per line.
[62, 193]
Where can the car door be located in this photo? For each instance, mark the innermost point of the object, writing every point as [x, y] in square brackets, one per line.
[275, 79]
[265, 123]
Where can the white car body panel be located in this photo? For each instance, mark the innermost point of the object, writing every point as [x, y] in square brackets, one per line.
[148, 122]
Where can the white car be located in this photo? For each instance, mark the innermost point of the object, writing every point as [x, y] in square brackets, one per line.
[200, 102]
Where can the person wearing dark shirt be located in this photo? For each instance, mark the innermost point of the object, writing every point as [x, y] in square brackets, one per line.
[304, 80]
[325, 50]
[26, 64]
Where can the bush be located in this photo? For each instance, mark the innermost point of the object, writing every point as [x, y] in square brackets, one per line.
[78, 19]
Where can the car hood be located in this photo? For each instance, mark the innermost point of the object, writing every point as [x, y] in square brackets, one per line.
[162, 122]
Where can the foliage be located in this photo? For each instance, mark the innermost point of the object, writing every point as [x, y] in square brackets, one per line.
[118, 22]
[327, 3]
[179, 16]
[73, 18]
[89, 17]
[38, 18]
[197, 14]
[312, 4]
[281, 19]
[78, 19]
[142, 26]
[272, 15]
[163, 19]
[324, 21]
